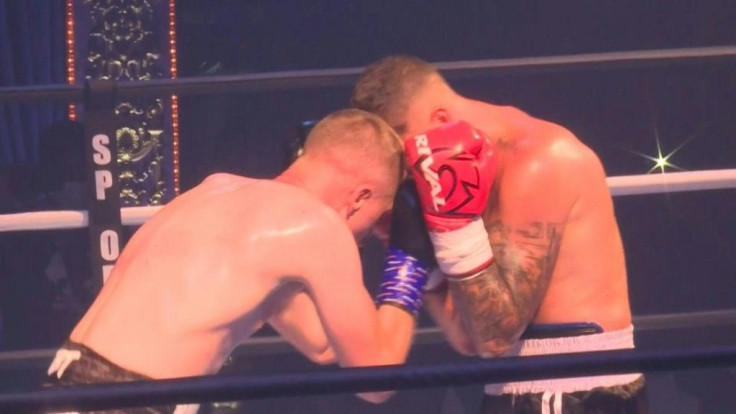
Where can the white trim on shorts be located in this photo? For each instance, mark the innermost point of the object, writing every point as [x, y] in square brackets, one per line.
[621, 339]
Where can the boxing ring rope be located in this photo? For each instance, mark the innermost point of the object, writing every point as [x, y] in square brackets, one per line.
[270, 345]
[210, 85]
[619, 185]
[240, 387]
[69, 219]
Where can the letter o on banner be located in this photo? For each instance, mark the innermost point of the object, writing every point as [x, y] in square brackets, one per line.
[109, 245]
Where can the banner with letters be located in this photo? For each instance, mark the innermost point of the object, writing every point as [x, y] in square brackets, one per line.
[132, 146]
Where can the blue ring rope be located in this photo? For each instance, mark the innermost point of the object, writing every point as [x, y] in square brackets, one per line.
[241, 387]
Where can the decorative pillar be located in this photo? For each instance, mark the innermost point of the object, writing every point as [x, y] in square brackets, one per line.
[131, 41]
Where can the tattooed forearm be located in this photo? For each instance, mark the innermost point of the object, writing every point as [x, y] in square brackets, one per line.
[496, 306]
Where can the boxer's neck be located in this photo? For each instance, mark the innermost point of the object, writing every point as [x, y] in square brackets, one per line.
[319, 179]
[489, 118]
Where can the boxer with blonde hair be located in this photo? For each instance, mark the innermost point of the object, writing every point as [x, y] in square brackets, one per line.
[235, 253]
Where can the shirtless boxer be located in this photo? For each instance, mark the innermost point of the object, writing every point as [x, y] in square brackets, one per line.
[235, 253]
[533, 258]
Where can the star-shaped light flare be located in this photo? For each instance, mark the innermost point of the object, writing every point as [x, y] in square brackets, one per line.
[662, 162]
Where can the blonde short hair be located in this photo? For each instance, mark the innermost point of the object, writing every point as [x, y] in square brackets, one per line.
[357, 139]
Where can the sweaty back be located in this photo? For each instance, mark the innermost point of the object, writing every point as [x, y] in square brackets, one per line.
[200, 275]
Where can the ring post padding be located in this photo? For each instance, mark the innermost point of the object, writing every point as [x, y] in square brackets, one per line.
[102, 177]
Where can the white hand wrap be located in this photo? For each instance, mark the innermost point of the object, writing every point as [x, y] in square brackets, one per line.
[464, 251]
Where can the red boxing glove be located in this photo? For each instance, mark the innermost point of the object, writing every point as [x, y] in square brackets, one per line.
[454, 166]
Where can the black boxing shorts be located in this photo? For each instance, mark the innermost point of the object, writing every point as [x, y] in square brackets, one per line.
[618, 399]
[603, 394]
[75, 364]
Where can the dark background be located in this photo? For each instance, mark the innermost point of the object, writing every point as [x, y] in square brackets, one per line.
[679, 246]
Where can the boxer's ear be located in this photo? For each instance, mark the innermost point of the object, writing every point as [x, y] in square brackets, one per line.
[354, 201]
[359, 196]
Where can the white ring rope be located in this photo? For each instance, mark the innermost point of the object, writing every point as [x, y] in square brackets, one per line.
[672, 182]
[69, 219]
[620, 185]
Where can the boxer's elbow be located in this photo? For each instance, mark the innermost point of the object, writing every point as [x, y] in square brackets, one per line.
[494, 348]
[325, 357]
[376, 397]
[502, 340]
[462, 346]
[464, 349]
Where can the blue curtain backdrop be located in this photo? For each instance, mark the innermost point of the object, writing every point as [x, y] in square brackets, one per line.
[32, 52]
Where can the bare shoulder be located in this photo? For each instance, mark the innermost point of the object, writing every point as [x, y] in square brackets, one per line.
[546, 175]
[297, 232]
[321, 244]
[217, 179]
[549, 153]
[319, 222]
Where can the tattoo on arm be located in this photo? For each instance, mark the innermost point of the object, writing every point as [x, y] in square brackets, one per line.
[496, 306]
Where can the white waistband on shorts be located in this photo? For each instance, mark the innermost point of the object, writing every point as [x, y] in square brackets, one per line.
[621, 339]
